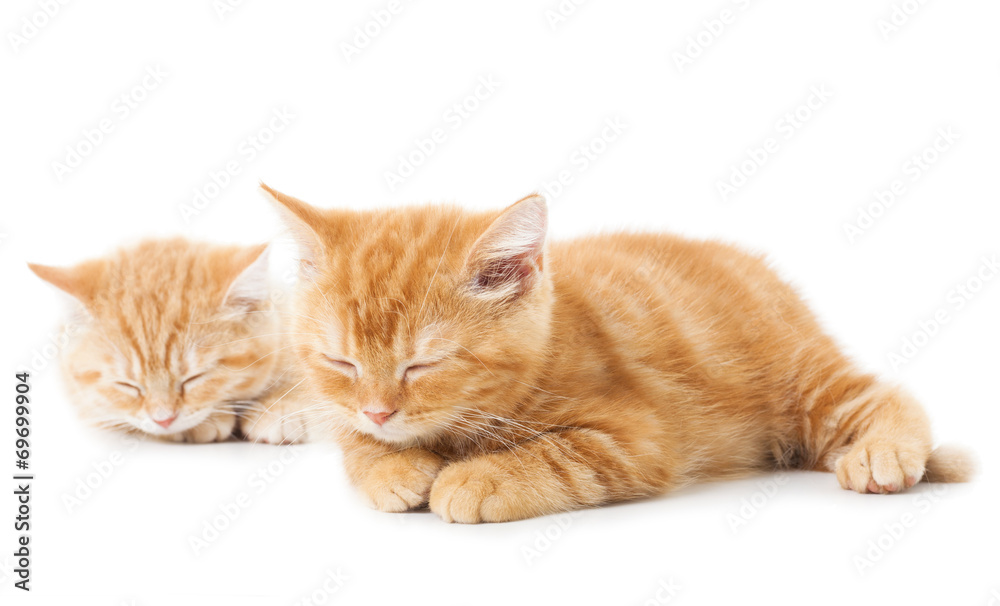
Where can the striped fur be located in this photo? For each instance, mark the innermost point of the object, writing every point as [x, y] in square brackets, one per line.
[577, 373]
[163, 311]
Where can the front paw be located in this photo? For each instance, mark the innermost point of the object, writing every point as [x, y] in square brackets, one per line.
[272, 425]
[881, 466]
[402, 480]
[216, 428]
[470, 492]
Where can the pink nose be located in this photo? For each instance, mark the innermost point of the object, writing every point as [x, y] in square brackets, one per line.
[165, 423]
[379, 418]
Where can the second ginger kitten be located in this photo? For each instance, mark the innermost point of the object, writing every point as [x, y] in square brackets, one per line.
[180, 340]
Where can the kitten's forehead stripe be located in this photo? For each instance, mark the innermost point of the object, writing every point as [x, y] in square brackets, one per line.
[157, 310]
[159, 297]
[382, 266]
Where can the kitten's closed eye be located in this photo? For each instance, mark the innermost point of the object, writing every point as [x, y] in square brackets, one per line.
[191, 381]
[350, 369]
[415, 371]
[130, 388]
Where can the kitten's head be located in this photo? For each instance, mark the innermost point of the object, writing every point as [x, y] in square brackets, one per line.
[415, 323]
[167, 332]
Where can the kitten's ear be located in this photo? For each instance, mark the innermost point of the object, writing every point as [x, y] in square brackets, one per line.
[303, 220]
[507, 260]
[250, 285]
[79, 281]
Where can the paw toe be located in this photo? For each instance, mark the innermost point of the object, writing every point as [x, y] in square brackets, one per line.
[879, 468]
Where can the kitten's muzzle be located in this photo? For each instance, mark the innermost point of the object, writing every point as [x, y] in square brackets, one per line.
[379, 417]
[165, 423]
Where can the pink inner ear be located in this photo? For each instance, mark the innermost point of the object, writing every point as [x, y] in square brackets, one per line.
[505, 270]
[507, 256]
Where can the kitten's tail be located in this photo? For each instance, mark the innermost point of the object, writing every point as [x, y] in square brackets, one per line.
[950, 464]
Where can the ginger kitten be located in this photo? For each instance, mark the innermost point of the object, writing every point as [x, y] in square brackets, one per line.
[465, 363]
[175, 338]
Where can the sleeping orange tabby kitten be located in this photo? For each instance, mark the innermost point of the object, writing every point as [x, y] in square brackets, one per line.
[466, 364]
[176, 339]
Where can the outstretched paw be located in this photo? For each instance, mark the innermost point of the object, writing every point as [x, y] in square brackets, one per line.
[880, 466]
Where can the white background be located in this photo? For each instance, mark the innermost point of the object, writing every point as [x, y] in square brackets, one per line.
[687, 126]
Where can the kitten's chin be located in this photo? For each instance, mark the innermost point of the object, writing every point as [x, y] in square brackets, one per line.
[392, 435]
[395, 433]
